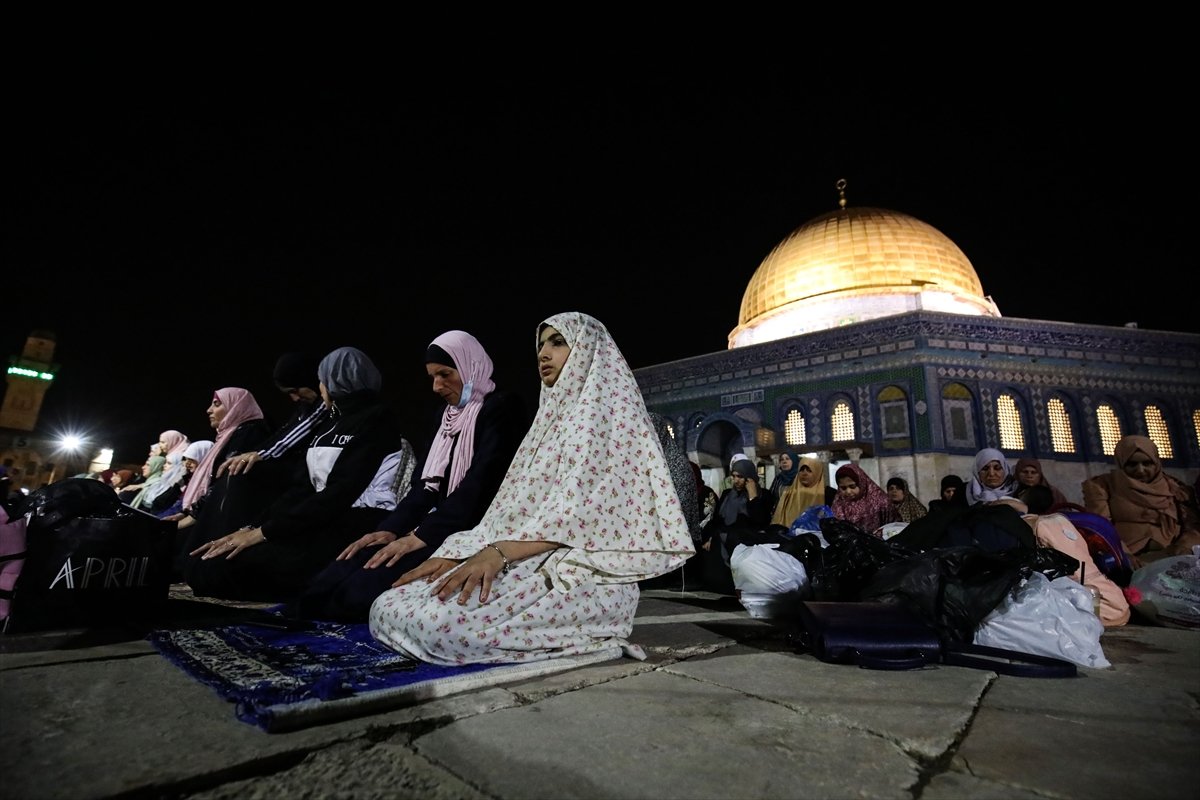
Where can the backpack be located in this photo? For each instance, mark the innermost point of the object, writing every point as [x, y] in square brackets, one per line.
[1103, 541]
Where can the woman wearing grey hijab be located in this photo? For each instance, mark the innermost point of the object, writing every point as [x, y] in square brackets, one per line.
[335, 497]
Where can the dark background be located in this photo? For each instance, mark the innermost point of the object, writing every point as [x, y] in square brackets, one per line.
[177, 233]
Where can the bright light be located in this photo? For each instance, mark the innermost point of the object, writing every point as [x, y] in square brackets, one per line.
[71, 443]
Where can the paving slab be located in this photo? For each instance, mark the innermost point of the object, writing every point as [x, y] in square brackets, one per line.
[722, 707]
[660, 735]
[880, 702]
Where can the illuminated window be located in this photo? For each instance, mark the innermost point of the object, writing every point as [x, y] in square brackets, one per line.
[1008, 418]
[1061, 438]
[1110, 428]
[842, 422]
[958, 420]
[1156, 429]
[793, 428]
[1196, 425]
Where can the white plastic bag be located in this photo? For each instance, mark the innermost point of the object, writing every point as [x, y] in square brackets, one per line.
[1047, 618]
[761, 568]
[1170, 589]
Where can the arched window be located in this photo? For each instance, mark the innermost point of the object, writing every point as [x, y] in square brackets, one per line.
[1109, 425]
[958, 418]
[1156, 429]
[1008, 420]
[841, 422]
[1062, 440]
[793, 428]
[893, 418]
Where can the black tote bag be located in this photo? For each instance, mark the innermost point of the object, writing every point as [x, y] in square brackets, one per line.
[108, 570]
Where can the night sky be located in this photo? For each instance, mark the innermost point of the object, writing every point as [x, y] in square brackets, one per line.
[178, 235]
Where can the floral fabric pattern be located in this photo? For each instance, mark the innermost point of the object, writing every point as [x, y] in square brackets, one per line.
[591, 476]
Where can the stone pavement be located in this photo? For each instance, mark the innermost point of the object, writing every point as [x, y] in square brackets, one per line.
[722, 708]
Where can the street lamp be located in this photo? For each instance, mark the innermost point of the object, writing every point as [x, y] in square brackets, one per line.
[69, 444]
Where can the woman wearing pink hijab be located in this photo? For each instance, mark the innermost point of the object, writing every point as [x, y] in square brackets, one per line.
[479, 431]
[159, 496]
[238, 421]
[861, 500]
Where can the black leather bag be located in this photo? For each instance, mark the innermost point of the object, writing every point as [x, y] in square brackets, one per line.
[889, 636]
[110, 570]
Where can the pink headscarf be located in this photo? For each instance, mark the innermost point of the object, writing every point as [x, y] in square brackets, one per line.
[871, 509]
[242, 407]
[175, 442]
[475, 368]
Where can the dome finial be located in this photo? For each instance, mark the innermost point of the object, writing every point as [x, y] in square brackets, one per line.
[841, 187]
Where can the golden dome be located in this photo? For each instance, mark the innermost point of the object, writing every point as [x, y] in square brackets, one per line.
[852, 265]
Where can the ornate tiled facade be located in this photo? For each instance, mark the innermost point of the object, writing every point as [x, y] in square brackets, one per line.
[747, 392]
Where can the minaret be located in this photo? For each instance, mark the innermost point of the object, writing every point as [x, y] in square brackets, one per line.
[29, 376]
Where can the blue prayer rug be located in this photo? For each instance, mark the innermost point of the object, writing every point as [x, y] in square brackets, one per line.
[282, 679]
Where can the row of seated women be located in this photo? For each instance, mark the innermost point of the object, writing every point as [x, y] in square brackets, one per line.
[516, 538]
[1154, 513]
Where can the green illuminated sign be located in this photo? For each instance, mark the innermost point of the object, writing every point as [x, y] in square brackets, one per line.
[31, 373]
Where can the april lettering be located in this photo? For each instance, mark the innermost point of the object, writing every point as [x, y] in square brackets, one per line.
[104, 573]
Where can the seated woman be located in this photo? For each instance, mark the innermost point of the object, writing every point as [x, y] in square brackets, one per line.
[993, 480]
[954, 494]
[192, 456]
[342, 490]
[152, 472]
[163, 494]
[742, 516]
[1029, 473]
[207, 511]
[807, 490]
[785, 476]
[478, 433]
[586, 510]
[861, 501]
[1155, 514]
[683, 477]
[907, 506]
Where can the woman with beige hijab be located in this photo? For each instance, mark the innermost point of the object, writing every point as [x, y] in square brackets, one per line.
[1154, 513]
[807, 490]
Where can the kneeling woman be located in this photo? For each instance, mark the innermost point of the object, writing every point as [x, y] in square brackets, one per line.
[586, 510]
[340, 493]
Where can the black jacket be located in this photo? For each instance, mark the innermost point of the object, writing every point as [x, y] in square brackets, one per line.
[502, 423]
[363, 433]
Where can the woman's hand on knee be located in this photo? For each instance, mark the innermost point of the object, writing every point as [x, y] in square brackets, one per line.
[390, 554]
[477, 571]
[366, 540]
[229, 546]
[430, 570]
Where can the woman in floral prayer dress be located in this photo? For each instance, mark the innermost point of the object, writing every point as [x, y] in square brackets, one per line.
[587, 509]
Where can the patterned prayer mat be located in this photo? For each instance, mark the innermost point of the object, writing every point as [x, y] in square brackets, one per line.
[281, 679]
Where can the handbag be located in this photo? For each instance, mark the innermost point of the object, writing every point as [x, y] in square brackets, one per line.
[92, 571]
[890, 636]
[12, 558]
